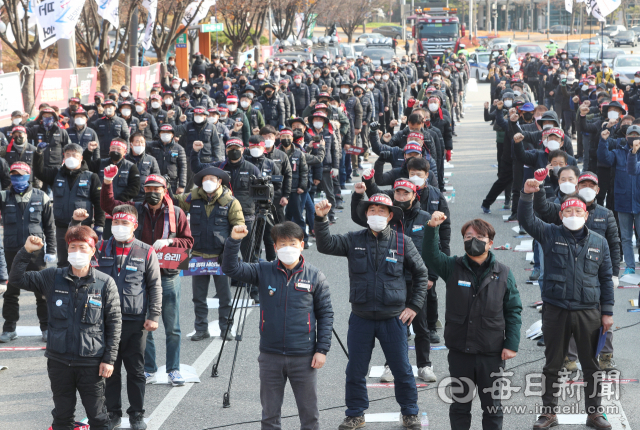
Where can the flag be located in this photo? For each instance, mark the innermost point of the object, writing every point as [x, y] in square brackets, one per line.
[568, 5]
[152, 7]
[605, 7]
[108, 9]
[56, 19]
[201, 6]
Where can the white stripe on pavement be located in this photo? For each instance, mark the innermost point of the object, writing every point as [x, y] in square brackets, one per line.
[175, 396]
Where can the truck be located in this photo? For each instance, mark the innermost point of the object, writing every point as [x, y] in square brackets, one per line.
[436, 29]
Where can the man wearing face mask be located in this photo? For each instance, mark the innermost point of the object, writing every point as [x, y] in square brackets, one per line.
[200, 130]
[605, 76]
[378, 259]
[273, 107]
[146, 122]
[290, 290]
[577, 295]
[16, 120]
[18, 150]
[133, 265]
[48, 137]
[159, 115]
[238, 115]
[25, 211]
[252, 113]
[126, 182]
[552, 140]
[301, 95]
[126, 113]
[199, 97]
[84, 330]
[146, 164]
[80, 133]
[171, 159]
[109, 127]
[287, 96]
[160, 225]
[479, 289]
[125, 95]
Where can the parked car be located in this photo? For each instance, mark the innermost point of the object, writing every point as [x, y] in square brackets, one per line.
[499, 41]
[627, 37]
[393, 31]
[600, 40]
[624, 68]
[479, 64]
[559, 29]
[534, 50]
[612, 30]
[358, 48]
[378, 52]
[610, 54]
[636, 30]
[589, 52]
[572, 48]
[365, 36]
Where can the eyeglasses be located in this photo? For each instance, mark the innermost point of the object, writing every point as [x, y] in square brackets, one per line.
[470, 236]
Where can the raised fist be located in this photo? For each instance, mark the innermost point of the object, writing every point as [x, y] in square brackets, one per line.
[33, 244]
[540, 174]
[92, 146]
[198, 145]
[514, 117]
[486, 105]
[323, 208]
[360, 187]
[110, 172]
[386, 137]
[374, 126]
[368, 174]
[531, 186]
[239, 232]
[437, 218]
[605, 134]
[518, 137]
[80, 214]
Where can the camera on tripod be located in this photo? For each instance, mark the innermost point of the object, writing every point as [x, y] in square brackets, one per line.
[261, 190]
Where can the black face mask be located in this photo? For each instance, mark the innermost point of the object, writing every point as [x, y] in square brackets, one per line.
[98, 102]
[153, 198]
[286, 143]
[528, 116]
[18, 140]
[283, 87]
[113, 97]
[623, 130]
[234, 154]
[115, 156]
[402, 205]
[358, 93]
[268, 93]
[631, 139]
[297, 134]
[474, 247]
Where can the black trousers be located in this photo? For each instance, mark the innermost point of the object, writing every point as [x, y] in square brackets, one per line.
[478, 368]
[559, 325]
[278, 217]
[505, 178]
[432, 307]
[11, 307]
[516, 186]
[65, 382]
[421, 329]
[61, 245]
[133, 341]
[605, 196]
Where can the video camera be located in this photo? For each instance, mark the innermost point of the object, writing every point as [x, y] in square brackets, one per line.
[261, 190]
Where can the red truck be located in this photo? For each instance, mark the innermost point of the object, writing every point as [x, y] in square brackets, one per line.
[436, 29]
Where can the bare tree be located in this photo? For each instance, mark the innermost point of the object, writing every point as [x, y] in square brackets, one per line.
[94, 31]
[352, 13]
[240, 18]
[26, 47]
[261, 12]
[285, 11]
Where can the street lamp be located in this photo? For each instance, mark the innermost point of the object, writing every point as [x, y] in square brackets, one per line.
[3, 28]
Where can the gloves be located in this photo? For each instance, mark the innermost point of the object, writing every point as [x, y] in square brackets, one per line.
[161, 243]
[42, 145]
[616, 282]
[540, 174]
[334, 173]
[98, 231]
[50, 258]
[3, 287]
[110, 172]
[368, 174]
[374, 126]
[385, 156]
[448, 155]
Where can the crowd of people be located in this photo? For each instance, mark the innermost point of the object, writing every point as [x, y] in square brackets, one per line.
[100, 188]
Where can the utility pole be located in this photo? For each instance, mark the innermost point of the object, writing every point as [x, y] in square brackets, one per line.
[470, 17]
[270, 26]
[67, 53]
[133, 39]
[548, 18]
[495, 19]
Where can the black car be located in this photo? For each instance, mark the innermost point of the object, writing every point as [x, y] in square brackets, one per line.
[636, 30]
[393, 31]
[625, 38]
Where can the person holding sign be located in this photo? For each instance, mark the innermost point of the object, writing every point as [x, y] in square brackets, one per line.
[134, 267]
[160, 225]
[214, 212]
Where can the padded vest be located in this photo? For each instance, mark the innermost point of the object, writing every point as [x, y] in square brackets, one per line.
[19, 225]
[209, 232]
[66, 200]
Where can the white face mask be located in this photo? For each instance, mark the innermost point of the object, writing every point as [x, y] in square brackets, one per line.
[563, 76]
[552, 145]
[172, 62]
[232, 108]
[122, 233]
[568, 187]
[199, 119]
[556, 169]
[16, 121]
[139, 108]
[175, 86]
[612, 114]
[585, 87]
[124, 94]
[517, 93]
[269, 143]
[376, 77]
[72, 163]
[79, 259]
[168, 102]
[80, 121]
[508, 103]
[244, 104]
[370, 86]
[589, 194]
[385, 78]
[318, 124]
[260, 76]
[256, 152]
[166, 138]
[212, 120]
[137, 150]
[546, 126]
[572, 76]
[433, 107]
[316, 75]
[155, 105]
[592, 82]
[276, 73]
[377, 223]
[573, 222]
[125, 112]
[417, 180]
[288, 254]
[297, 81]
[447, 73]
[344, 90]
[109, 111]
[209, 186]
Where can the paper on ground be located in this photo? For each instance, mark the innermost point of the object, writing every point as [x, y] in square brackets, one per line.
[386, 417]
[213, 303]
[349, 184]
[634, 302]
[500, 197]
[448, 174]
[366, 165]
[516, 229]
[529, 256]
[578, 419]
[124, 424]
[188, 373]
[631, 279]
[28, 330]
[345, 191]
[3, 367]
[448, 165]
[214, 330]
[472, 85]
[525, 245]
[376, 371]
[448, 187]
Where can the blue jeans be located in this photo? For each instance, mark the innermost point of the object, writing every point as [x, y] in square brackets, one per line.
[294, 209]
[343, 170]
[548, 102]
[627, 221]
[171, 322]
[310, 210]
[537, 252]
[361, 339]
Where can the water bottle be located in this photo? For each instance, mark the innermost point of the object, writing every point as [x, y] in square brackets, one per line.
[453, 196]
[424, 421]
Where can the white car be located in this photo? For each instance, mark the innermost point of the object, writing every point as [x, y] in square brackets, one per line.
[479, 64]
[624, 68]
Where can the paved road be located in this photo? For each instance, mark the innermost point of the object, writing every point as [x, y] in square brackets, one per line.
[26, 398]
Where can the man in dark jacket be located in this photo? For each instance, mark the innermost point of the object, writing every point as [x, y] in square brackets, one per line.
[290, 290]
[273, 107]
[378, 257]
[146, 163]
[147, 122]
[479, 289]
[84, 331]
[141, 292]
[301, 95]
[171, 159]
[109, 126]
[49, 137]
[577, 295]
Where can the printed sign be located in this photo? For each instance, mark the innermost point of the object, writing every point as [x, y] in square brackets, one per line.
[173, 258]
[202, 266]
[10, 95]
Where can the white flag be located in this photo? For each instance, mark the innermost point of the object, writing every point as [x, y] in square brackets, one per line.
[203, 10]
[568, 5]
[605, 7]
[108, 9]
[56, 19]
[152, 7]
